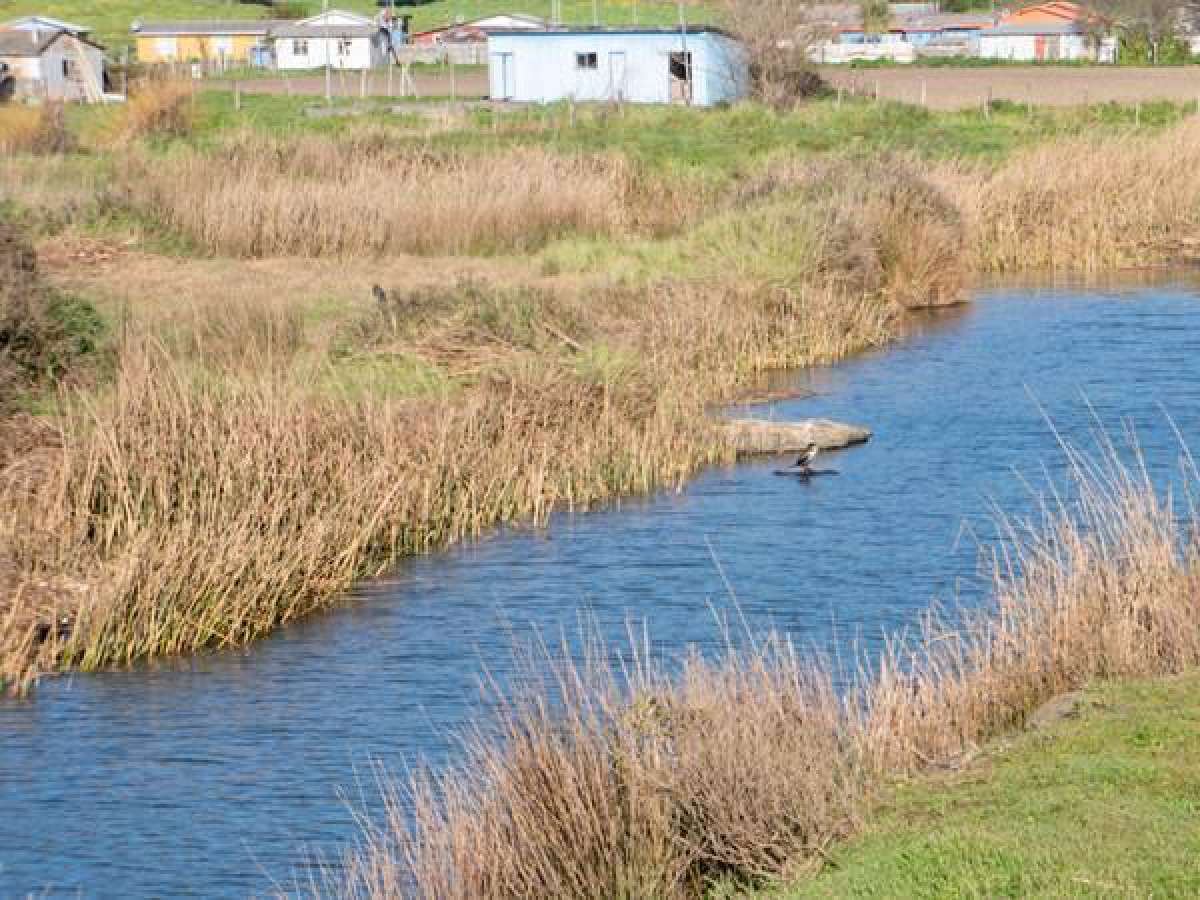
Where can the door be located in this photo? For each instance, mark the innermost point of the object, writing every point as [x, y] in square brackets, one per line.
[502, 76]
[680, 74]
[616, 76]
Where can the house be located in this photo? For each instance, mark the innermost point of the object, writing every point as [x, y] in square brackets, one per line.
[339, 39]
[228, 43]
[1058, 30]
[52, 65]
[475, 31]
[701, 66]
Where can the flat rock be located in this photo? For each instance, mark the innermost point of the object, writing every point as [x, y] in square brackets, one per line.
[752, 437]
[1054, 710]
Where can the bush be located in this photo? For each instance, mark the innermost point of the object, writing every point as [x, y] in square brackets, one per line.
[43, 334]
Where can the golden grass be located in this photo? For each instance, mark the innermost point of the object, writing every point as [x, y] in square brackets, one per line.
[1085, 204]
[316, 196]
[33, 129]
[629, 782]
[156, 108]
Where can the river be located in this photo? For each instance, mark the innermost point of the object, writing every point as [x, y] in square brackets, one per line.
[228, 774]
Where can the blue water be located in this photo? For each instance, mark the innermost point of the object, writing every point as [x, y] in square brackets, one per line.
[226, 774]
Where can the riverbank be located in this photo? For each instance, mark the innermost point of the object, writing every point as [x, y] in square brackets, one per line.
[260, 427]
[1088, 803]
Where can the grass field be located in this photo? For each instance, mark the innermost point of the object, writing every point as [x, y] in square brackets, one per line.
[1102, 804]
[111, 19]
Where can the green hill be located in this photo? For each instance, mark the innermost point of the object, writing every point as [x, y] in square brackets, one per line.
[111, 18]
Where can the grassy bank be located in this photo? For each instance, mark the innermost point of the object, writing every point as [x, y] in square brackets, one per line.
[255, 427]
[734, 773]
[1090, 806]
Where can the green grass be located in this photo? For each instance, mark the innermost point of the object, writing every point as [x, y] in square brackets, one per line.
[718, 141]
[111, 18]
[1102, 805]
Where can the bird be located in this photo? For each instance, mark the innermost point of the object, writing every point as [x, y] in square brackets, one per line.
[806, 457]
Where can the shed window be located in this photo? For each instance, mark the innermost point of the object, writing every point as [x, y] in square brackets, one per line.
[68, 68]
[300, 47]
[587, 61]
[344, 46]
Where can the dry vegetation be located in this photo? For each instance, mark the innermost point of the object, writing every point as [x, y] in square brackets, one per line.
[240, 465]
[746, 768]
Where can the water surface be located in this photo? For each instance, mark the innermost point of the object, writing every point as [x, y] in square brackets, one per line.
[220, 775]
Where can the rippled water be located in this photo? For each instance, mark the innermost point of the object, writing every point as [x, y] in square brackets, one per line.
[224, 774]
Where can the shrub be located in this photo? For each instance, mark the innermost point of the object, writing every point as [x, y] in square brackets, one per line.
[34, 129]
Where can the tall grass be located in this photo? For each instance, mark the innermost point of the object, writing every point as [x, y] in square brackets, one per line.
[34, 129]
[315, 196]
[623, 782]
[1085, 203]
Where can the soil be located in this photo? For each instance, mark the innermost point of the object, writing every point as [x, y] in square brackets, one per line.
[956, 88]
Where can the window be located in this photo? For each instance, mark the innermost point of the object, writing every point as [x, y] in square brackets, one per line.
[344, 46]
[587, 61]
[165, 48]
[68, 68]
[299, 47]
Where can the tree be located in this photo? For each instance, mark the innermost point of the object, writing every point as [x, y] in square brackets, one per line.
[778, 36]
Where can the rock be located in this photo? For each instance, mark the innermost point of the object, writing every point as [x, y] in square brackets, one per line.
[756, 436]
[1064, 706]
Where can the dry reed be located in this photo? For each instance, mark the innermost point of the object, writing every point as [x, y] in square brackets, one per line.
[630, 783]
[1084, 204]
[314, 196]
[156, 108]
[38, 129]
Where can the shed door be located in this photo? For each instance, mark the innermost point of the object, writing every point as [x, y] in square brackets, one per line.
[503, 76]
[617, 89]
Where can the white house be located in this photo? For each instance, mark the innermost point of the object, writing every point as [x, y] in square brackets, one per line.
[53, 65]
[339, 39]
[1045, 41]
[702, 66]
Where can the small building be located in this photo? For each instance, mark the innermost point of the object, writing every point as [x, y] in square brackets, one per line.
[339, 39]
[52, 65]
[226, 43]
[475, 30]
[1058, 30]
[700, 66]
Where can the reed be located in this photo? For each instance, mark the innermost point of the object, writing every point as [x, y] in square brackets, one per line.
[626, 781]
[156, 108]
[316, 196]
[1084, 203]
[34, 129]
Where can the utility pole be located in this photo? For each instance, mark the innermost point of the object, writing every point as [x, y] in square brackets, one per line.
[328, 74]
[596, 12]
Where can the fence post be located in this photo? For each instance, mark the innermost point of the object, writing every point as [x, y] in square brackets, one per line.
[237, 96]
[924, 92]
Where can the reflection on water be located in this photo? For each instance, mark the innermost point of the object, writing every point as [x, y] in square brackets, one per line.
[211, 776]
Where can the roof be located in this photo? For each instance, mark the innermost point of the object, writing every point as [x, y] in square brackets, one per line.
[606, 29]
[1033, 29]
[244, 26]
[24, 44]
[324, 31]
[26, 22]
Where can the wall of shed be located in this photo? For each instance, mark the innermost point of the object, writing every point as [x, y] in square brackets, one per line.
[1025, 47]
[542, 68]
[195, 47]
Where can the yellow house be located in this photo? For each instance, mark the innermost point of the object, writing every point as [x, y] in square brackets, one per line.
[227, 42]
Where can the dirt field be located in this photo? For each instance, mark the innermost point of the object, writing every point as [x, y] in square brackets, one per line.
[954, 88]
[467, 83]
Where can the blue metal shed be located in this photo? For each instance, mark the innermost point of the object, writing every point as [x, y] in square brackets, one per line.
[699, 65]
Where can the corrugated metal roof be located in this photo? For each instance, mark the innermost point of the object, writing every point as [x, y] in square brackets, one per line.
[23, 44]
[53, 24]
[324, 31]
[168, 29]
[1033, 29]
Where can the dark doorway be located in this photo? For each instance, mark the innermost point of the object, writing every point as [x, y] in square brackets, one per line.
[681, 77]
